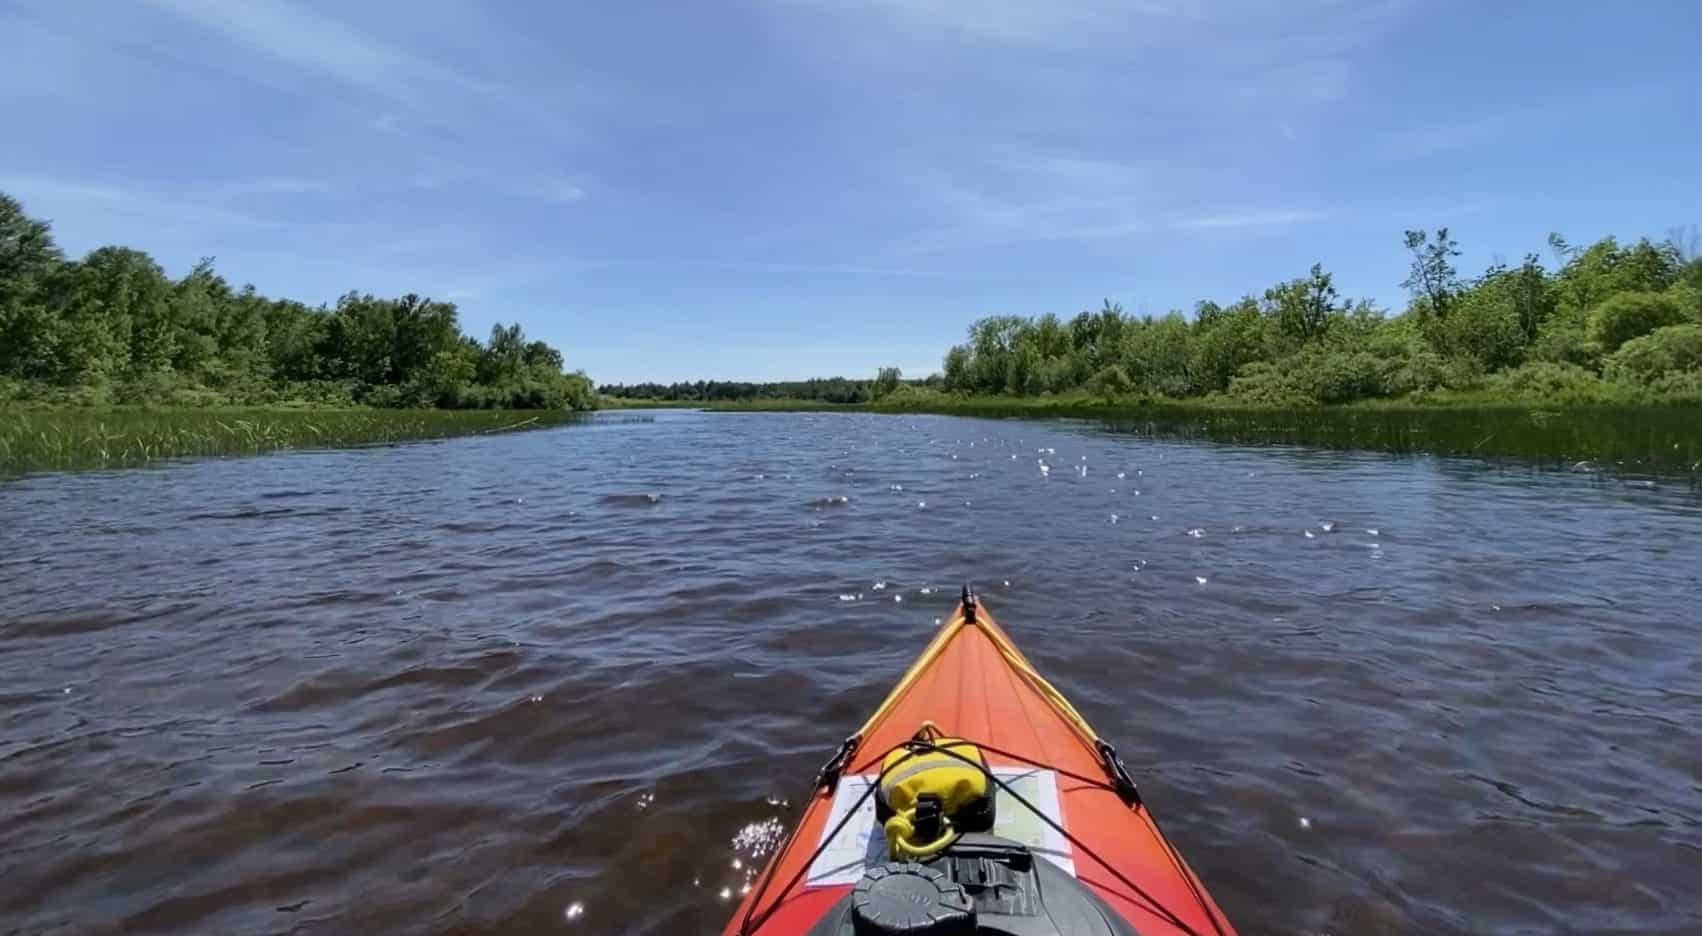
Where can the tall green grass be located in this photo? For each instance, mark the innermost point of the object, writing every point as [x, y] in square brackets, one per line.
[1655, 437]
[33, 439]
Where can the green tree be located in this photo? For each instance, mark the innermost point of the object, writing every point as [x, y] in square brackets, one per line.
[1302, 307]
[1605, 268]
[504, 356]
[114, 325]
[956, 369]
[1629, 315]
[1432, 278]
[992, 343]
[116, 314]
[1111, 324]
[424, 330]
[1227, 341]
[1485, 324]
[29, 259]
[1158, 354]
[197, 309]
[1084, 333]
[887, 380]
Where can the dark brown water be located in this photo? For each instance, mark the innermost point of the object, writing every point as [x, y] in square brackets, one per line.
[562, 682]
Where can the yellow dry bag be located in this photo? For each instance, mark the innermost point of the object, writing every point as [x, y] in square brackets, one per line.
[928, 797]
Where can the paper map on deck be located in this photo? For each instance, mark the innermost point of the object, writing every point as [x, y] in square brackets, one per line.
[861, 845]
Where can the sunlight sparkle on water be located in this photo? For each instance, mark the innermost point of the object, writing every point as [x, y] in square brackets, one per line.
[757, 839]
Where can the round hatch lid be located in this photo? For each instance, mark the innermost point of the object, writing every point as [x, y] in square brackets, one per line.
[906, 899]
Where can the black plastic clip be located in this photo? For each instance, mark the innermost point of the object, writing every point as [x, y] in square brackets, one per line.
[828, 776]
[929, 816]
[968, 605]
[1120, 779]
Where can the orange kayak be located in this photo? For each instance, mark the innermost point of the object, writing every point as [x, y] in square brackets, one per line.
[1071, 850]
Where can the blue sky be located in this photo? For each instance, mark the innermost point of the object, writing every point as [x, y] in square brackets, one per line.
[784, 188]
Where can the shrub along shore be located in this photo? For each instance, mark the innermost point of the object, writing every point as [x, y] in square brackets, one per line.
[1609, 323]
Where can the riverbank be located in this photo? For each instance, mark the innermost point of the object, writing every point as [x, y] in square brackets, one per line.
[1654, 437]
[43, 438]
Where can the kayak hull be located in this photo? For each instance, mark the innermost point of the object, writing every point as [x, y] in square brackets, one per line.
[971, 682]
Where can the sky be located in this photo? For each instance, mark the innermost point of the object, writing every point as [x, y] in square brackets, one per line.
[776, 189]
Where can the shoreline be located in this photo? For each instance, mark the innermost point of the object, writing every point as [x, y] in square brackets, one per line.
[1659, 437]
[54, 438]
[1645, 437]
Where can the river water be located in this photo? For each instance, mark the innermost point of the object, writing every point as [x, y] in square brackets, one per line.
[577, 680]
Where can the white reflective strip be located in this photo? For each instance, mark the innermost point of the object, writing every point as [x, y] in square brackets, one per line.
[923, 764]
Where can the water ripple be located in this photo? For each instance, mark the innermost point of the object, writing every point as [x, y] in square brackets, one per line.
[581, 677]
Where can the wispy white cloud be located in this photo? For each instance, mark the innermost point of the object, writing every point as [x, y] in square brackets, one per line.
[1073, 172]
[49, 189]
[390, 86]
[291, 34]
[1246, 219]
[1118, 90]
[1304, 28]
[545, 187]
[1420, 142]
[1013, 194]
[201, 220]
[1021, 22]
[811, 269]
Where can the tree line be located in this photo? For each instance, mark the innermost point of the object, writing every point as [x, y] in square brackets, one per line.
[820, 389]
[112, 327]
[1609, 321]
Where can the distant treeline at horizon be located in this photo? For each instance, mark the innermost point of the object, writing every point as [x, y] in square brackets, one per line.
[1609, 323]
[113, 328]
[820, 389]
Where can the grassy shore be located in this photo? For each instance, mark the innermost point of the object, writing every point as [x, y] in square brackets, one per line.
[1658, 437]
[40, 438]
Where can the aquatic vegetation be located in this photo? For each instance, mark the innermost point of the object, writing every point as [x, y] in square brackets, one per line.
[1665, 437]
[34, 438]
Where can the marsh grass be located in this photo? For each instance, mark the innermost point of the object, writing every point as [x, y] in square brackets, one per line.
[33, 439]
[1655, 437]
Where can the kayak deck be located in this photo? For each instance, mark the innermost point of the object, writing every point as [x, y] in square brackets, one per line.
[972, 682]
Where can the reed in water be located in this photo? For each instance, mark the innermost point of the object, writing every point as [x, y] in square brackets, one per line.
[47, 438]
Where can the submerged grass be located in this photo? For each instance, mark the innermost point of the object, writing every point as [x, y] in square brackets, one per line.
[39, 438]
